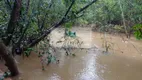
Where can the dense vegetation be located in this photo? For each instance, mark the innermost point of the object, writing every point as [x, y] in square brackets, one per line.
[109, 13]
[24, 23]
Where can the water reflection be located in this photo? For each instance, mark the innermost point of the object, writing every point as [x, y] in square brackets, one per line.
[89, 72]
[54, 77]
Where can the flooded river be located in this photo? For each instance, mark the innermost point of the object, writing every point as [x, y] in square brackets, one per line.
[122, 62]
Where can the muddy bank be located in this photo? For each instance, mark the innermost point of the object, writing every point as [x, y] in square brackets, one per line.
[119, 44]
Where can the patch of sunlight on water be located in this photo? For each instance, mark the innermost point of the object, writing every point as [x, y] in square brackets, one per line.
[89, 72]
[54, 77]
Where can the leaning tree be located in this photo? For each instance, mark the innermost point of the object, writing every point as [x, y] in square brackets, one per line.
[24, 23]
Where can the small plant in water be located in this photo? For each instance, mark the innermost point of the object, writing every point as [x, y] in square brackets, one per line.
[106, 44]
[45, 53]
[70, 42]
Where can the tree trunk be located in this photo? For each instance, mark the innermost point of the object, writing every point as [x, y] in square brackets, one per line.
[10, 62]
[15, 15]
[123, 18]
[63, 20]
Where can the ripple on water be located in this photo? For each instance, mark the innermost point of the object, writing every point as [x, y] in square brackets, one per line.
[89, 71]
[54, 77]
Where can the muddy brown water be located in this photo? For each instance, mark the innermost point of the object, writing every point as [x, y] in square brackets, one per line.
[123, 62]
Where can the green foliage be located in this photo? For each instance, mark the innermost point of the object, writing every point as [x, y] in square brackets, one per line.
[36, 17]
[106, 11]
[44, 13]
[73, 55]
[68, 25]
[5, 75]
[138, 31]
[45, 52]
[28, 51]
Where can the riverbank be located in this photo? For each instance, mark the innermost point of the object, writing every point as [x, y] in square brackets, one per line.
[119, 44]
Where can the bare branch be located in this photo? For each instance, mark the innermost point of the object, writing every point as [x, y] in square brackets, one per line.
[52, 28]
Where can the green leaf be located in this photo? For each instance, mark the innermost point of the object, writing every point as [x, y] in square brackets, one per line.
[138, 31]
[68, 25]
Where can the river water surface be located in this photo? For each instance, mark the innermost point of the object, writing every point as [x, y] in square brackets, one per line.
[122, 62]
